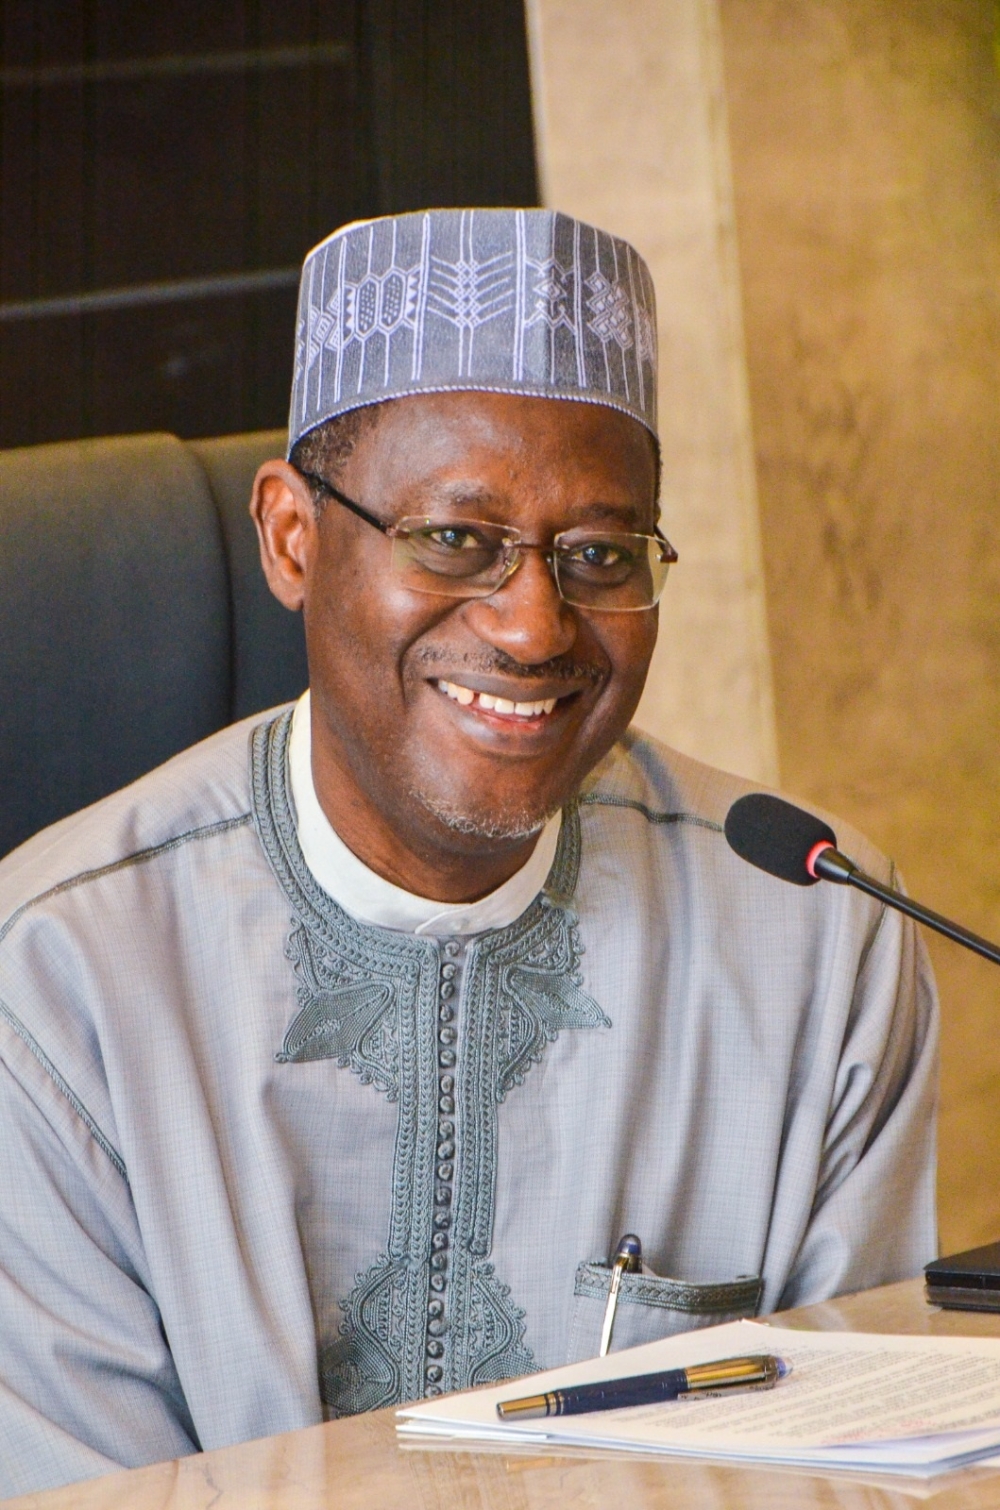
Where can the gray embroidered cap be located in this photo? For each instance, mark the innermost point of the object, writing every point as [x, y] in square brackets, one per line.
[507, 301]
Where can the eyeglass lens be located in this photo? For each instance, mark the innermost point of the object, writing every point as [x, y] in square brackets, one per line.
[470, 558]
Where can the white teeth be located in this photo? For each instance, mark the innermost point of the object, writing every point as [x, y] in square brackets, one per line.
[465, 696]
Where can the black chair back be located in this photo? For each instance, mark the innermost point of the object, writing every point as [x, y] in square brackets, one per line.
[134, 616]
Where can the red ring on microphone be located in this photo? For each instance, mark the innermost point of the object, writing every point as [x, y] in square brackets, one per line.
[814, 855]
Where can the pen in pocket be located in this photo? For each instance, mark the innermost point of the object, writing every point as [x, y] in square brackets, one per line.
[627, 1260]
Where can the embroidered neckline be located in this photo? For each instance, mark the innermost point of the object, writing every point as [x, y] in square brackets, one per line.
[275, 825]
[430, 1313]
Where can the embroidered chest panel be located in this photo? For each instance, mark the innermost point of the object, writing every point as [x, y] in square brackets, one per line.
[446, 1030]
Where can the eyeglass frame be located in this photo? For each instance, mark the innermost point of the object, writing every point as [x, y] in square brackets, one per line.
[392, 532]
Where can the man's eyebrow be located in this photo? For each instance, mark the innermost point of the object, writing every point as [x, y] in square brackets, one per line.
[466, 495]
[627, 516]
[599, 511]
[615, 512]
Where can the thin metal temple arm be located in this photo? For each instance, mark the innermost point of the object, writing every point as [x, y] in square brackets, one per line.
[342, 498]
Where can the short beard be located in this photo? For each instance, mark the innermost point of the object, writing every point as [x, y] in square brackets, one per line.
[512, 827]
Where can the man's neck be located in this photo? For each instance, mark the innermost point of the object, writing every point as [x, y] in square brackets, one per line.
[446, 872]
[371, 898]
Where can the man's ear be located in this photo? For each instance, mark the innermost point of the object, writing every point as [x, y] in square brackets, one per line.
[281, 507]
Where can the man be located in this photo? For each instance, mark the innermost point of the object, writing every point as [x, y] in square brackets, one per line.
[338, 1053]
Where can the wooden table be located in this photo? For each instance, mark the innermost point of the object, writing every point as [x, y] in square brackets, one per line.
[357, 1464]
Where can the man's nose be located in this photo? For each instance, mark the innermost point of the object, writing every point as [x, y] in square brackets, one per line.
[526, 617]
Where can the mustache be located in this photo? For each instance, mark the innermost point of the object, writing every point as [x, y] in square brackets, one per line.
[560, 667]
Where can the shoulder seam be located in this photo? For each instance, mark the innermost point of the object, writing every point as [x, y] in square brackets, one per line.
[599, 799]
[207, 832]
[100, 1138]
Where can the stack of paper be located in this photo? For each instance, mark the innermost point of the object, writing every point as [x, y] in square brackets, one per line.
[914, 1405]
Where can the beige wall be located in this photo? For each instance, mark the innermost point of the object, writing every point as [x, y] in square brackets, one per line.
[865, 141]
[632, 136]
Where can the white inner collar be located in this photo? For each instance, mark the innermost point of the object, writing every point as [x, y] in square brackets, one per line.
[370, 898]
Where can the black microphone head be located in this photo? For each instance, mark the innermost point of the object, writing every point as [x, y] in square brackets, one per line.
[776, 836]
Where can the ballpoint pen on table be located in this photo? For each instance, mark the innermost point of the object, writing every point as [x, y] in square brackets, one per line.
[627, 1260]
[761, 1371]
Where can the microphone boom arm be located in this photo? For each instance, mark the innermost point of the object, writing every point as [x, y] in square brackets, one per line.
[829, 863]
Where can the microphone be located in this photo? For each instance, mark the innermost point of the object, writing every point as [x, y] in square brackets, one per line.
[797, 846]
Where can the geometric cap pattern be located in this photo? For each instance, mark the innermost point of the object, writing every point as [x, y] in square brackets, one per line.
[506, 301]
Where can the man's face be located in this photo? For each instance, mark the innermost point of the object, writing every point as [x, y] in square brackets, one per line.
[415, 696]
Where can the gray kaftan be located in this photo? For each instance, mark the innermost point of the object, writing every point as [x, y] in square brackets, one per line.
[263, 1164]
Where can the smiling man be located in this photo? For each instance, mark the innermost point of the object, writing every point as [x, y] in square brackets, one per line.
[337, 1055]
[470, 669]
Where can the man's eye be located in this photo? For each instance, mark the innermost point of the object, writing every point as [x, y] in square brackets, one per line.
[453, 539]
[596, 553]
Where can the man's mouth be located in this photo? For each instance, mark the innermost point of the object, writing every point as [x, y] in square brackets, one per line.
[505, 706]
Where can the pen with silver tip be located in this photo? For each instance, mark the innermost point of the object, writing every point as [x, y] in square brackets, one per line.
[627, 1260]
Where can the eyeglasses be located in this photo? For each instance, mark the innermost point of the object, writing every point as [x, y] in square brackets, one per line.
[470, 558]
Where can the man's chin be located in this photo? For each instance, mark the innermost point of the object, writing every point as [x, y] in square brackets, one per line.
[491, 825]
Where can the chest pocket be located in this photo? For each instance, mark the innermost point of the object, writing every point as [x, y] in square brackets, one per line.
[651, 1307]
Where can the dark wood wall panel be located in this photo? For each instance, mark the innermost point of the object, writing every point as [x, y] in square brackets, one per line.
[451, 98]
[147, 148]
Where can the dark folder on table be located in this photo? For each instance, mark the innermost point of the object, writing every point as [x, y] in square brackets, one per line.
[966, 1281]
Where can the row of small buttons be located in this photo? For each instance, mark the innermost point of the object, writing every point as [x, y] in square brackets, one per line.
[447, 1035]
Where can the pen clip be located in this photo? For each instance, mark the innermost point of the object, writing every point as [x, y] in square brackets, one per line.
[627, 1260]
